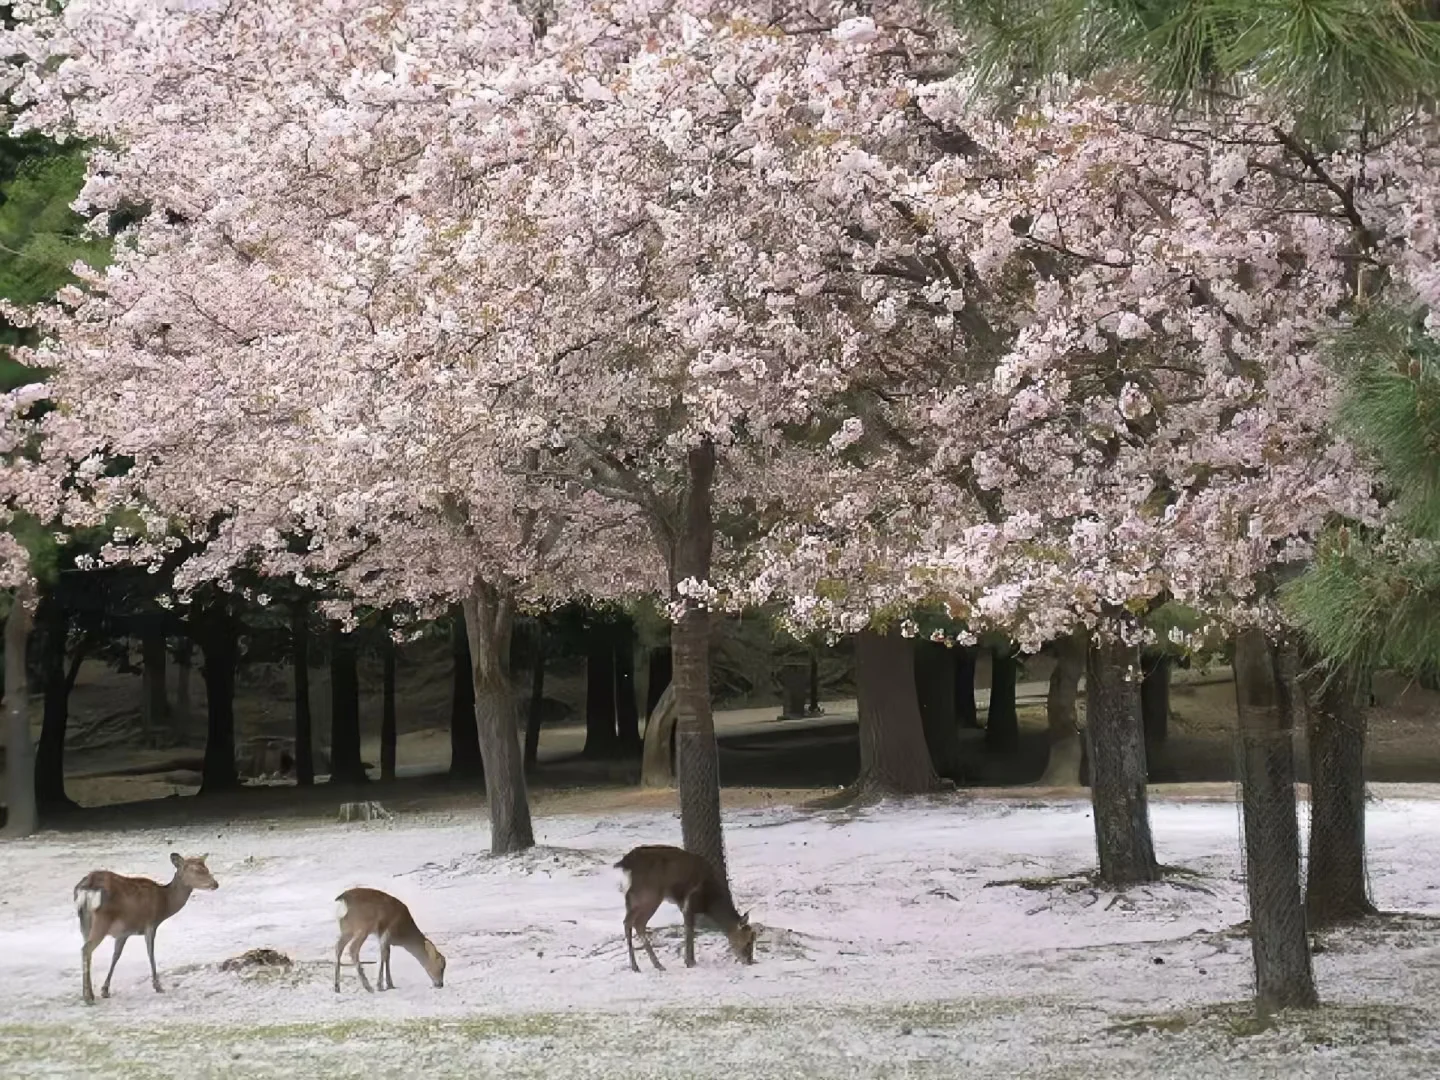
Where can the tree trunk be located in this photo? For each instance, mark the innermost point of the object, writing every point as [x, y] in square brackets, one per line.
[657, 759]
[1155, 697]
[50, 794]
[346, 765]
[1002, 721]
[1283, 974]
[814, 708]
[1116, 745]
[894, 759]
[182, 716]
[154, 702]
[304, 722]
[661, 671]
[489, 623]
[627, 710]
[221, 654]
[935, 691]
[21, 815]
[1062, 713]
[388, 734]
[1337, 887]
[697, 756]
[601, 740]
[465, 760]
[537, 699]
[965, 709]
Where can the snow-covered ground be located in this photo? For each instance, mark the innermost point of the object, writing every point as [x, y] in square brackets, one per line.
[886, 950]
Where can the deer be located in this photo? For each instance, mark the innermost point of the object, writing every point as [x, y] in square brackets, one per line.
[112, 905]
[655, 873]
[363, 912]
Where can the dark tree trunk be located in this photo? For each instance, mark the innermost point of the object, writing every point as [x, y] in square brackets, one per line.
[627, 709]
[346, 765]
[661, 671]
[1062, 713]
[601, 739]
[537, 699]
[1002, 721]
[894, 759]
[304, 722]
[154, 702]
[218, 640]
[489, 624]
[21, 815]
[388, 734]
[465, 760]
[965, 709]
[1283, 974]
[935, 689]
[1337, 887]
[54, 625]
[1116, 746]
[814, 707]
[696, 755]
[182, 716]
[1155, 697]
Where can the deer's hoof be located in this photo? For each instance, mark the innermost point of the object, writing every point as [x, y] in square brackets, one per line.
[104, 992]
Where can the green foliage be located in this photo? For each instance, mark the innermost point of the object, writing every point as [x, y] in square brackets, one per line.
[1330, 60]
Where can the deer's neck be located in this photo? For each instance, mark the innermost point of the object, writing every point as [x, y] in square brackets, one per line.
[176, 895]
[721, 911]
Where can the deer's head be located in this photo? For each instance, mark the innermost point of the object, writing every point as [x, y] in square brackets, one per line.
[742, 940]
[434, 963]
[193, 873]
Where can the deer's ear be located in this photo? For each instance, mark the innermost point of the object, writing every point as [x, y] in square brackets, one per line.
[175, 859]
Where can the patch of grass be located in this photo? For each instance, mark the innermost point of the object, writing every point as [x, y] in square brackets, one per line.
[1327, 1026]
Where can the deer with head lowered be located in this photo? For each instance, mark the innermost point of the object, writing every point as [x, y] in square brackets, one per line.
[656, 873]
[363, 912]
[112, 905]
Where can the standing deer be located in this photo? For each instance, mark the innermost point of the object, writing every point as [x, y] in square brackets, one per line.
[363, 912]
[656, 873]
[112, 905]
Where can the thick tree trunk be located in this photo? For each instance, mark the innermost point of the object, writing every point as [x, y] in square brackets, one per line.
[657, 759]
[1337, 887]
[21, 816]
[221, 653]
[935, 690]
[1116, 745]
[661, 670]
[346, 765]
[465, 760]
[388, 734]
[697, 757]
[1002, 721]
[965, 709]
[304, 720]
[489, 623]
[1062, 712]
[154, 702]
[1155, 697]
[894, 759]
[627, 709]
[50, 794]
[601, 739]
[537, 698]
[1283, 974]
[183, 715]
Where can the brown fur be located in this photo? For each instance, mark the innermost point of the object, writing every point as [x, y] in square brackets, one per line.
[657, 873]
[112, 905]
[363, 912]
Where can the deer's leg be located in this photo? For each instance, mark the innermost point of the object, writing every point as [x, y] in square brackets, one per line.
[639, 909]
[355, 944]
[339, 952]
[385, 965]
[150, 949]
[689, 912]
[98, 928]
[114, 959]
[85, 989]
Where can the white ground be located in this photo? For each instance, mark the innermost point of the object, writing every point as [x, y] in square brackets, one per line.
[883, 954]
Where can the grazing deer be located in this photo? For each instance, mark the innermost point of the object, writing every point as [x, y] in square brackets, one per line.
[656, 873]
[111, 905]
[363, 912]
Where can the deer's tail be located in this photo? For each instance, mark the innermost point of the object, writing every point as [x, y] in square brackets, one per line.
[88, 898]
